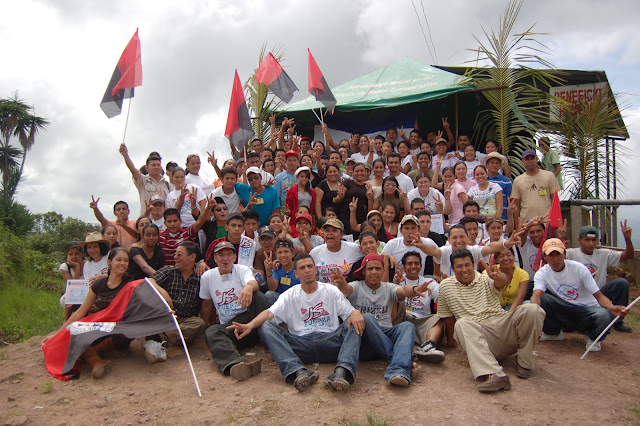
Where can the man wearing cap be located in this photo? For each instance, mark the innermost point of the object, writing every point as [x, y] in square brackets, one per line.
[410, 240]
[571, 298]
[441, 155]
[234, 292]
[256, 196]
[533, 190]
[598, 261]
[314, 334]
[334, 253]
[494, 161]
[279, 269]
[157, 211]
[287, 178]
[469, 303]
[551, 160]
[393, 344]
[227, 191]
[305, 239]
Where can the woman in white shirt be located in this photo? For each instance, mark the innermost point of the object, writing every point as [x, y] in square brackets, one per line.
[487, 194]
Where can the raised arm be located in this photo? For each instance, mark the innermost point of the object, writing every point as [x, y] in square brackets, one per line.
[127, 160]
[96, 211]
[338, 279]
[328, 139]
[629, 251]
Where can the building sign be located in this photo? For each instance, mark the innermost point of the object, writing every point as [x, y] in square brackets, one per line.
[575, 94]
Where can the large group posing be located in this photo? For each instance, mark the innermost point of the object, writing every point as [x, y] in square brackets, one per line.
[390, 248]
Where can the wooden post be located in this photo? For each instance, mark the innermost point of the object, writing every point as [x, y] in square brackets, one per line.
[575, 223]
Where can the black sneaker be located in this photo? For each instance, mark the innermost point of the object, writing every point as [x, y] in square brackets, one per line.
[338, 380]
[430, 353]
[305, 379]
[622, 327]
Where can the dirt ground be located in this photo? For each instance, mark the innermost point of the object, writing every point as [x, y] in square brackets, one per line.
[602, 389]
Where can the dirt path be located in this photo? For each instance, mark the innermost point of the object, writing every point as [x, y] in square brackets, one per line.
[604, 388]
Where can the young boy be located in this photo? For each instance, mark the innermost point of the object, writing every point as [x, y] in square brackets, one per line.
[282, 278]
[251, 224]
[472, 209]
[157, 211]
[127, 234]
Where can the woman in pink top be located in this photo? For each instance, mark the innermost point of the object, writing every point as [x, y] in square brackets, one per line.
[455, 196]
[460, 171]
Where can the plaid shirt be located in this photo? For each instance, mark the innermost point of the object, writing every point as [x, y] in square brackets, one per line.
[184, 294]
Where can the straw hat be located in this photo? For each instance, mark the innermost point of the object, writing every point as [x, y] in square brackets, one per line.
[93, 237]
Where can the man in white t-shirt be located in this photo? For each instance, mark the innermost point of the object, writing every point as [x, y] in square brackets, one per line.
[410, 240]
[385, 341]
[574, 300]
[235, 293]
[311, 311]
[335, 253]
[598, 261]
[404, 182]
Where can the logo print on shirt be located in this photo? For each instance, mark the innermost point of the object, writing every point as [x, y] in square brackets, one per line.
[592, 270]
[314, 312]
[227, 297]
[568, 292]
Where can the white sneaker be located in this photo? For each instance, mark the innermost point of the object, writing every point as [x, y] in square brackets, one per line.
[429, 352]
[550, 337]
[154, 351]
[596, 348]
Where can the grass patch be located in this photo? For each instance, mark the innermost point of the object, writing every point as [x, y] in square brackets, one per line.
[46, 387]
[26, 311]
[373, 420]
[633, 319]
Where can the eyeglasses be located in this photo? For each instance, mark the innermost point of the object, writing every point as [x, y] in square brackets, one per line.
[220, 209]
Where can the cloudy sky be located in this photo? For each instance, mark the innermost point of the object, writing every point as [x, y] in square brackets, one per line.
[59, 56]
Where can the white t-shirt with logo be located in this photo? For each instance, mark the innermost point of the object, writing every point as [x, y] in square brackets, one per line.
[597, 263]
[326, 261]
[574, 284]
[378, 303]
[397, 248]
[429, 200]
[445, 258]
[224, 290]
[420, 306]
[311, 313]
[202, 182]
[529, 252]
[91, 268]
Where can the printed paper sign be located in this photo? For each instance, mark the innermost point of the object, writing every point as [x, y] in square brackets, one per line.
[76, 292]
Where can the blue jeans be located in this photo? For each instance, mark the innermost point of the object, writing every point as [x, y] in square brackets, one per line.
[291, 352]
[561, 314]
[392, 344]
[272, 296]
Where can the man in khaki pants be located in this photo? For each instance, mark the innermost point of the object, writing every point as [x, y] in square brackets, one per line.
[470, 305]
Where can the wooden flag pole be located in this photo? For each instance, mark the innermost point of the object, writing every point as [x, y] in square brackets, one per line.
[184, 345]
[607, 329]
[126, 123]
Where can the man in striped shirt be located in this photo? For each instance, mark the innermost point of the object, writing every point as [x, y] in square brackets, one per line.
[469, 303]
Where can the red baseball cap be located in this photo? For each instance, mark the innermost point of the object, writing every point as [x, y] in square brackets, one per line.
[368, 258]
[291, 152]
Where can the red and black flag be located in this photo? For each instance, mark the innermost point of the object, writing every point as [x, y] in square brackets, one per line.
[318, 86]
[271, 73]
[551, 230]
[137, 311]
[239, 129]
[126, 76]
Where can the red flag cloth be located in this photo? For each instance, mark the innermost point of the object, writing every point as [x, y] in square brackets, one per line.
[126, 76]
[318, 86]
[271, 73]
[551, 231]
[239, 129]
[136, 311]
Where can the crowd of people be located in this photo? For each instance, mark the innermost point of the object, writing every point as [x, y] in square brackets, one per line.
[393, 248]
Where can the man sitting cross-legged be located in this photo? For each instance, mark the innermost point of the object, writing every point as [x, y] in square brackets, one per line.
[469, 302]
[393, 344]
[234, 291]
[313, 333]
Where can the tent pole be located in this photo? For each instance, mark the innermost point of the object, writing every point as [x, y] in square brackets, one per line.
[456, 107]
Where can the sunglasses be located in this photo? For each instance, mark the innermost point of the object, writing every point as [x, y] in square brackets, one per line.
[254, 177]
[220, 209]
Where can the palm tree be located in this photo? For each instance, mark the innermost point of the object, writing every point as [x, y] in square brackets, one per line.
[17, 120]
[503, 75]
[256, 95]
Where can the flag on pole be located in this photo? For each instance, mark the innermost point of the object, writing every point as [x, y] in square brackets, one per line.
[271, 73]
[126, 76]
[137, 311]
[318, 86]
[239, 129]
[551, 230]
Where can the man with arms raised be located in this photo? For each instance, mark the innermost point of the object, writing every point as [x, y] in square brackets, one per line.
[147, 185]
[469, 303]
[234, 292]
[314, 333]
[571, 298]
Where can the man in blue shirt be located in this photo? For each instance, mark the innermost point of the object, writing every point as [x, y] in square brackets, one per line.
[286, 179]
[256, 196]
[494, 161]
[283, 278]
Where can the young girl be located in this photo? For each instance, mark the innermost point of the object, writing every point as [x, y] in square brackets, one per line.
[141, 222]
[470, 160]
[144, 261]
[487, 194]
[193, 166]
[110, 234]
[276, 221]
[404, 149]
[72, 269]
[307, 161]
[460, 171]
[391, 194]
[375, 183]
[96, 249]
[331, 213]
[301, 194]
[389, 213]
[182, 197]
[454, 194]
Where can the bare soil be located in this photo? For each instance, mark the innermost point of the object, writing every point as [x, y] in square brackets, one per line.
[602, 389]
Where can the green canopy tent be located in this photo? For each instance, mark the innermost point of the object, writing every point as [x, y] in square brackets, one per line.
[393, 96]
